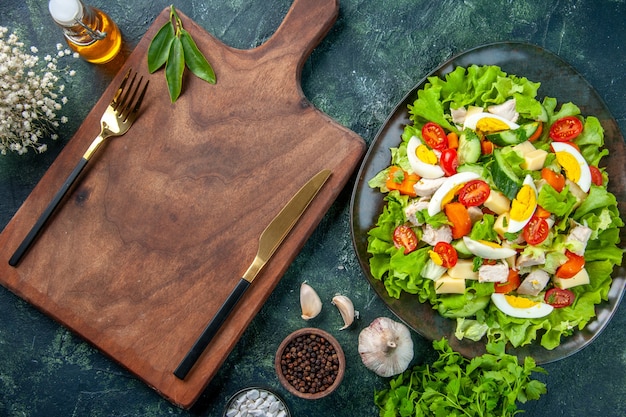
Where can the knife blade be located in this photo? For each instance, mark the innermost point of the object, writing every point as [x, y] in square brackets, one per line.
[270, 240]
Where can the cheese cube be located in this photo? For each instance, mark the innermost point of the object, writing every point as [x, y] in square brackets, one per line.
[581, 278]
[448, 285]
[501, 224]
[524, 148]
[464, 269]
[533, 161]
[497, 202]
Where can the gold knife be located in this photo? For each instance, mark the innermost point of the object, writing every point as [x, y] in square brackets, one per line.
[270, 240]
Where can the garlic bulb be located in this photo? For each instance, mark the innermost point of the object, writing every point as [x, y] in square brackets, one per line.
[386, 347]
[346, 309]
[309, 302]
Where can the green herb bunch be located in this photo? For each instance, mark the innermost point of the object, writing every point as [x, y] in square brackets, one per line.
[174, 47]
[488, 385]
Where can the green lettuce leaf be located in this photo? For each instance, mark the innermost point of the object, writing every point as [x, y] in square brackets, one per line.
[560, 203]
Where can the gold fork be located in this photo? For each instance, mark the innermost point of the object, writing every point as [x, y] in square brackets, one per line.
[116, 120]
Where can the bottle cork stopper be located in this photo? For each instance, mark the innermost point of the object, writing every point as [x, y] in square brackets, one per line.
[66, 12]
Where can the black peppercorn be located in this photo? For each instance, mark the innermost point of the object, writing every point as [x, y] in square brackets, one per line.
[309, 363]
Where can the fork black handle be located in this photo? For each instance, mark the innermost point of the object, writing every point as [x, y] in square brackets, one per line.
[39, 224]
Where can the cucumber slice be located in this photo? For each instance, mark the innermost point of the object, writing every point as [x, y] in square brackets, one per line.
[469, 147]
[461, 248]
[514, 137]
[503, 176]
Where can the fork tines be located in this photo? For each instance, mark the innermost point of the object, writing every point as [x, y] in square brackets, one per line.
[122, 104]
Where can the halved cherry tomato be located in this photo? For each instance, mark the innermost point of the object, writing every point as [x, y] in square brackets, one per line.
[434, 136]
[398, 179]
[571, 267]
[559, 298]
[511, 284]
[474, 193]
[457, 214]
[537, 133]
[596, 175]
[447, 253]
[536, 230]
[449, 161]
[555, 179]
[566, 129]
[405, 237]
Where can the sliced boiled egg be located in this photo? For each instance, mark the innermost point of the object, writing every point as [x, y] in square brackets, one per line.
[520, 307]
[574, 164]
[445, 193]
[488, 123]
[523, 206]
[487, 250]
[423, 160]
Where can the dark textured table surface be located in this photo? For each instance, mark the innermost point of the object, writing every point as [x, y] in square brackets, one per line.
[376, 52]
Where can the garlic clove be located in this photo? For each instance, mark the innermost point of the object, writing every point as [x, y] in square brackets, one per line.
[310, 302]
[346, 309]
[386, 347]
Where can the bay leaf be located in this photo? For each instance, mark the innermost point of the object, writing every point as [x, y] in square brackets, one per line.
[174, 69]
[195, 60]
[159, 49]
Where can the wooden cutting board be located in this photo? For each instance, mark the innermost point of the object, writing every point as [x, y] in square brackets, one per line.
[166, 219]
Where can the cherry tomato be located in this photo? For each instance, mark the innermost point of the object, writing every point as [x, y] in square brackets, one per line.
[559, 298]
[447, 253]
[405, 237]
[571, 267]
[596, 175]
[555, 179]
[449, 161]
[435, 136]
[566, 129]
[536, 230]
[474, 193]
[511, 284]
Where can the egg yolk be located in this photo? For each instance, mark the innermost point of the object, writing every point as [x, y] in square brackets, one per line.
[570, 165]
[490, 125]
[436, 258]
[519, 302]
[450, 195]
[426, 155]
[490, 244]
[524, 203]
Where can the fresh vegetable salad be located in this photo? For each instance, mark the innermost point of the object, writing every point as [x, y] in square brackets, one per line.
[497, 210]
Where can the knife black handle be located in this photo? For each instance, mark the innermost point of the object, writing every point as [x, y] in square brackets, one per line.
[211, 330]
[30, 237]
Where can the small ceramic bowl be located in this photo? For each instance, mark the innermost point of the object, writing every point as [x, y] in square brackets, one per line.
[303, 370]
[256, 398]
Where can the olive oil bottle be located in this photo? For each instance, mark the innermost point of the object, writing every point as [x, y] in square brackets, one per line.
[88, 31]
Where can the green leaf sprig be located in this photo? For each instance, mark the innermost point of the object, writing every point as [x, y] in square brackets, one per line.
[174, 47]
[490, 385]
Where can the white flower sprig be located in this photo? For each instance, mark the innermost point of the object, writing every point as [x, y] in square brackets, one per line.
[29, 99]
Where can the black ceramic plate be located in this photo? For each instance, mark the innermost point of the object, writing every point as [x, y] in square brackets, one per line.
[559, 80]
